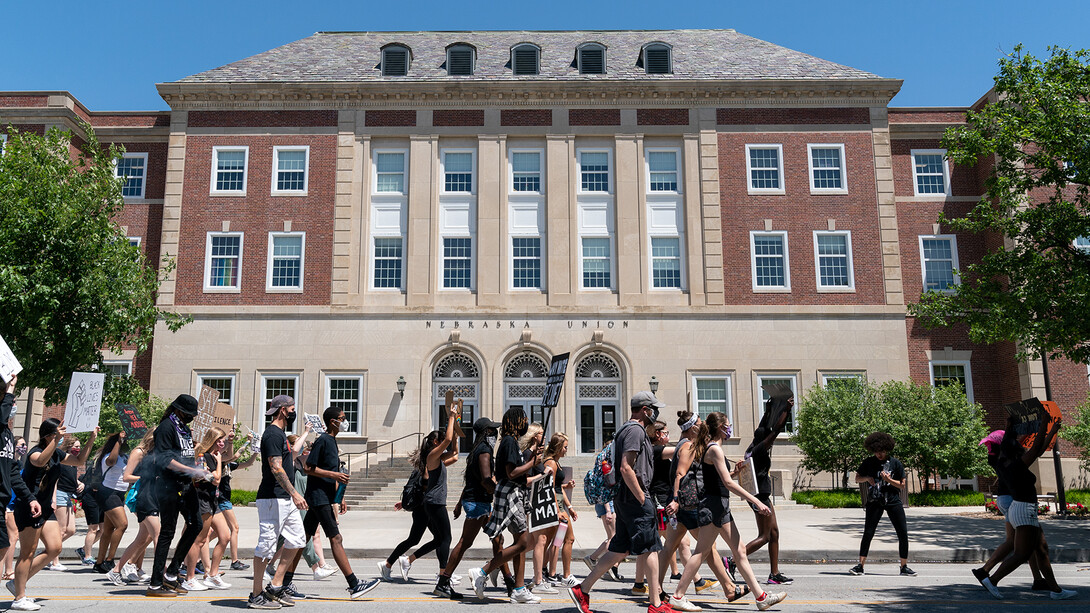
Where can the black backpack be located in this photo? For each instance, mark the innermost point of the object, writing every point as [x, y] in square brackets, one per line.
[412, 495]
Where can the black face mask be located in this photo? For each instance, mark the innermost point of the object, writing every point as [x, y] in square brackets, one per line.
[185, 418]
[290, 420]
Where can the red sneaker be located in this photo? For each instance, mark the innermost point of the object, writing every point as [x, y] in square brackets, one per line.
[581, 600]
[664, 607]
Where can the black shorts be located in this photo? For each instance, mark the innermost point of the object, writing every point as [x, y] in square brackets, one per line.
[207, 504]
[637, 527]
[24, 519]
[321, 515]
[5, 542]
[91, 509]
[109, 499]
[718, 512]
[766, 499]
[689, 519]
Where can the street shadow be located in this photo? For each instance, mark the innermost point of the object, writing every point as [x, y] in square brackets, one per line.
[959, 599]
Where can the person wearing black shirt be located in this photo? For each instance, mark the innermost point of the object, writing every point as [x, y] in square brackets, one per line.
[886, 476]
[33, 512]
[765, 436]
[11, 478]
[67, 489]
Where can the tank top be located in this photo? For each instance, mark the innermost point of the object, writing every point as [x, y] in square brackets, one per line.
[113, 477]
[713, 485]
[436, 492]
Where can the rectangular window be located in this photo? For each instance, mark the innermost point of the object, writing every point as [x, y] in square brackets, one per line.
[833, 255]
[712, 395]
[224, 384]
[827, 169]
[666, 263]
[290, 169]
[285, 261]
[132, 168]
[594, 171]
[945, 372]
[526, 262]
[117, 368]
[388, 262]
[526, 171]
[764, 166]
[458, 172]
[597, 263]
[229, 170]
[770, 271]
[275, 385]
[788, 380]
[662, 171]
[346, 393]
[831, 380]
[1082, 243]
[930, 172]
[223, 261]
[939, 259]
[457, 263]
[390, 172]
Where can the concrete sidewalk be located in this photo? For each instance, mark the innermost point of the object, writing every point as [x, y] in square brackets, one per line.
[806, 535]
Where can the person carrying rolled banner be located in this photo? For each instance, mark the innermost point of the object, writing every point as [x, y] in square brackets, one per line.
[777, 410]
[886, 476]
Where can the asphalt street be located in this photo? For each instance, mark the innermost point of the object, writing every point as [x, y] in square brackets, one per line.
[817, 587]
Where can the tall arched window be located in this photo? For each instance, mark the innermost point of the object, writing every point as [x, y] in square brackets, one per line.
[598, 400]
[524, 385]
[458, 373]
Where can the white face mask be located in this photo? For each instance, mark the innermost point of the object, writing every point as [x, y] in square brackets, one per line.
[491, 440]
[343, 425]
[14, 410]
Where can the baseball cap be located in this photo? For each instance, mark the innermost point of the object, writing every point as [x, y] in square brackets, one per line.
[643, 399]
[483, 423]
[279, 402]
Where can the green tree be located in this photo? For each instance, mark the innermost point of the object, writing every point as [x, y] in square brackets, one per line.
[70, 283]
[1078, 432]
[831, 424]
[1033, 288]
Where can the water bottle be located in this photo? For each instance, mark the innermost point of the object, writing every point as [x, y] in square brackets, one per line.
[339, 496]
[561, 530]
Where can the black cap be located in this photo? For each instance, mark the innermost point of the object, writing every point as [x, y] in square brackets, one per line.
[483, 423]
[184, 403]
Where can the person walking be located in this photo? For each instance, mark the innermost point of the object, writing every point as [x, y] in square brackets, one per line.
[777, 410]
[231, 463]
[130, 566]
[12, 485]
[886, 477]
[68, 487]
[637, 532]
[111, 499]
[554, 452]
[209, 455]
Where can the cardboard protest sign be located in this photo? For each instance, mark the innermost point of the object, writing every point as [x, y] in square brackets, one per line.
[255, 441]
[134, 426]
[84, 401]
[206, 406]
[777, 404]
[315, 422]
[1030, 415]
[448, 402]
[543, 504]
[223, 417]
[9, 365]
[747, 476]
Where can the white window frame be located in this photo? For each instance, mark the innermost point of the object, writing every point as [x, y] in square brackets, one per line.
[694, 401]
[758, 395]
[360, 409]
[269, 288]
[945, 173]
[1085, 248]
[779, 169]
[404, 172]
[843, 189]
[143, 180]
[126, 363]
[511, 171]
[443, 171]
[135, 241]
[612, 264]
[222, 289]
[954, 254]
[963, 363]
[679, 171]
[201, 376]
[276, 170]
[579, 169]
[769, 289]
[261, 399]
[826, 375]
[850, 287]
[3, 143]
[216, 150]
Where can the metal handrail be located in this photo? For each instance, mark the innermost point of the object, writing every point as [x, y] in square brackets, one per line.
[375, 450]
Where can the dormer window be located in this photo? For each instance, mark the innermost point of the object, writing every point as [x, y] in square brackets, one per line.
[526, 60]
[591, 58]
[656, 59]
[395, 61]
[460, 60]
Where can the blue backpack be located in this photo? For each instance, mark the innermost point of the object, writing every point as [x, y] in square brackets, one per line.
[594, 483]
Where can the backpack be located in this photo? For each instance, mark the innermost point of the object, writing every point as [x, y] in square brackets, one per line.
[412, 495]
[595, 487]
[691, 489]
[611, 476]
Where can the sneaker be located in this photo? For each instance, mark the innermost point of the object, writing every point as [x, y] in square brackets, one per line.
[405, 566]
[664, 607]
[445, 590]
[54, 565]
[294, 593]
[907, 572]
[683, 604]
[589, 561]
[239, 565]
[384, 571]
[706, 584]
[115, 578]
[183, 569]
[200, 568]
[569, 581]
[261, 601]
[581, 600]
[524, 596]
[103, 567]
[732, 568]
[982, 574]
[194, 585]
[81, 553]
[780, 579]
[144, 577]
[994, 591]
[178, 588]
[454, 579]
[87, 561]
[477, 577]
[362, 588]
[544, 588]
[129, 577]
[1060, 595]
[25, 604]
[280, 595]
[856, 570]
[677, 576]
[128, 569]
[216, 582]
[770, 600]
[616, 576]
[328, 566]
[323, 573]
[160, 592]
[639, 589]
[494, 576]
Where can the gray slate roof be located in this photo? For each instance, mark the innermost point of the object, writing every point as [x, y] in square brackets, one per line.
[697, 55]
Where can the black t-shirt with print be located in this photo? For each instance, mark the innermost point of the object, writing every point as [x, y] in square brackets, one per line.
[508, 455]
[324, 454]
[882, 492]
[274, 444]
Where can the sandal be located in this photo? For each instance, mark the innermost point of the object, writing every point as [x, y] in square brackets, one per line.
[738, 594]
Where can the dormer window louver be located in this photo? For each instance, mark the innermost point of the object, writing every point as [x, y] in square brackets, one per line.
[592, 60]
[656, 59]
[395, 62]
[524, 60]
[460, 61]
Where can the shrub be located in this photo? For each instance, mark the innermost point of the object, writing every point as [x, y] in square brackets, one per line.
[1078, 432]
[947, 498]
[1078, 509]
[1078, 496]
[829, 499]
[243, 497]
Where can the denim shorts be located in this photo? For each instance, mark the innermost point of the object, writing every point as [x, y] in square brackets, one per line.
[602, 509]
[476, 510]
[64, 499]
[226, 505]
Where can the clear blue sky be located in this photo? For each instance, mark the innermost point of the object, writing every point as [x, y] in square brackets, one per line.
[111, 54]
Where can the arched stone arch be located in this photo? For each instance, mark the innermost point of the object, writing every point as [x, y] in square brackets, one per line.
[599, 373]
[459, 369]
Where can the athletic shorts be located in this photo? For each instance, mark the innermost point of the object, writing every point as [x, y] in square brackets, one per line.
[602, 509]
[225, 505]
[24, 519]
[764, 498]
[91, 509]
[109, 499]
[1023, 514]
[689, 519]
[207, 504]
[637, 528]
[321, 515]
[278, 517]
[476, 510]
[5, 542]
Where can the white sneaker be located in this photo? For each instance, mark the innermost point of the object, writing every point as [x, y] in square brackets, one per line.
[477, 576]
[569, 581]
[524, 596]
[323, 573]
[543, 588]
[115, 578]
[144, 577]
[994, 591]
[454, 580]
[1063, 594]
[128, 569]
[193, 585]
[216, 582]
[56, 566]
[769, 601]
[683, 604]
[384, 571]
[405, 566]
[25, 604]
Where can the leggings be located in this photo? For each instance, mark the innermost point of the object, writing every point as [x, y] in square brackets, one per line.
[896, 514]
[171, 503]
[431, 517]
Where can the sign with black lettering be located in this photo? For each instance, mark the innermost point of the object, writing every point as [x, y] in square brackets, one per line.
[134, 426]
[543, 504]
[555, 381]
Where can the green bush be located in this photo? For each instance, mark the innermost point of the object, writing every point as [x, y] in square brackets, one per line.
[1078, 432]
[947, 498]
[829, 499]
[1079, 496]
[849, 498]
[243, 497]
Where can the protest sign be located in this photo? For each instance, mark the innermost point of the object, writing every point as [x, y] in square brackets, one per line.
[9, 365]
[84, 401]
[255, 441]
[315, 422]
[206, 406]
[134, 426]
[223, 417]
[1030, 416]
[747, 476]
[543, 504]
[554, 383]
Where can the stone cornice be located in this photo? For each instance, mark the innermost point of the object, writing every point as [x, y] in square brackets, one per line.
[326, 95]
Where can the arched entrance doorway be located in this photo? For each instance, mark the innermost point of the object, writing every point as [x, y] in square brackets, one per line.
[461, 374]
[598, 398]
